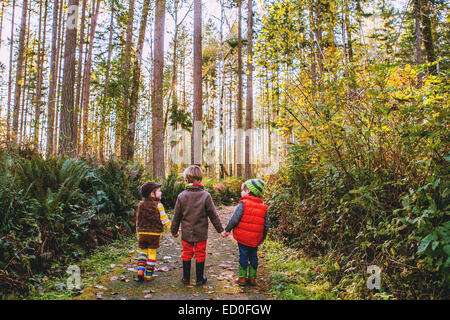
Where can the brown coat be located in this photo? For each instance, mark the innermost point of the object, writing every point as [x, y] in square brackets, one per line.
[147, 216]
[193, 208]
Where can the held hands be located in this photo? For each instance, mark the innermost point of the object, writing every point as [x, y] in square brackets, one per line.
[224, 234]
[175, 235]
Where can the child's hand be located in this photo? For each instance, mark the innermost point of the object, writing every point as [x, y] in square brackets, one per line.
[224, 234]
[175, 235]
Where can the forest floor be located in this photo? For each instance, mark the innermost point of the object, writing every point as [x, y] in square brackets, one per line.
[221, 269]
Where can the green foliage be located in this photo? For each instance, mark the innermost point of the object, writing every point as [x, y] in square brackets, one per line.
[56, 209]
[367, 177]
[171, 187]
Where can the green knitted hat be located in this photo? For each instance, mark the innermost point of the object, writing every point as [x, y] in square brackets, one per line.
[256, 186]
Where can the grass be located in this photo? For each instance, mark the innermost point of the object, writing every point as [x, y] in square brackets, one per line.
[295, 276]
[96, 265]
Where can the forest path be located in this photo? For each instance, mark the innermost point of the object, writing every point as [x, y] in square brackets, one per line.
[221, 270]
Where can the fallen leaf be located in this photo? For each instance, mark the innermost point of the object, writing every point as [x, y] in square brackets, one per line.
[113, 278]
[163, 269]
[100, 287]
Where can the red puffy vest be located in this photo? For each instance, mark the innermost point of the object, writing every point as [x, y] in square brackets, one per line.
[249, 230]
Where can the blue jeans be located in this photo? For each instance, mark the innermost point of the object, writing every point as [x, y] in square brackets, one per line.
[247, 254]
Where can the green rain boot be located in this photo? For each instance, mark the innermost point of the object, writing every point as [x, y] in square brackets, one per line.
[242, 274]
[251, 276]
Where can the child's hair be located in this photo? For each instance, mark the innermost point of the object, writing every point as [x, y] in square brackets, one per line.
[193, 174]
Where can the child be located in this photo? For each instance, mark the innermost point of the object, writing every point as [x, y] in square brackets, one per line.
[193, 208]
[150, 218]
[250, 223]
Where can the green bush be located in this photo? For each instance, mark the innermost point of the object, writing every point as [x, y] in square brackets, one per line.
[57, 209]
[374, 218]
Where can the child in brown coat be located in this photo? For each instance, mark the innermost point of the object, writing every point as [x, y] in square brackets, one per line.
[150, 219]
[193, 208]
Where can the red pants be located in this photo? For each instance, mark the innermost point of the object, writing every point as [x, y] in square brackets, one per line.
[190, 249]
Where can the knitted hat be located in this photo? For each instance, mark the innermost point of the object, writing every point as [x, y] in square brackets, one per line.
[256, 186]
[148, 188]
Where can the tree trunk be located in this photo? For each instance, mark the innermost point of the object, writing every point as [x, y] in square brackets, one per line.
[19, 70]
[11, 50]
[136, 82]
[126, 88]
[249, 105]
[239, 143]
[67, 121]
[222, 89]
[157, 100]
[53, 79]
[40, 66]
[418, 48]
[427, 7]
[79, 73]
[105, 91]
[196, 147]
[87, 76]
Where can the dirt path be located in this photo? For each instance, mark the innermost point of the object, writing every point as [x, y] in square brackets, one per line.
[221, 270]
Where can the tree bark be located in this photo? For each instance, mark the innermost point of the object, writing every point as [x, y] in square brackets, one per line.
[239, 143]
[105, 91]
[67, 121]
[249, 105]
[126, 89]
[79, 72]
[19, 70]
[87, 77]
[196, 150]
[40, 66]
[427, 7]
[11, 50]
[53, 79]
[418, 47]
[131, 132]
[157, 101]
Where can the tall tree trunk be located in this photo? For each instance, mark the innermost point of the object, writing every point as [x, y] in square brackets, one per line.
[67, 121]
[418, 47]
[126, 89]
[40, 66]
[136, 82]
[11, 50]
[79, 73]
[427, 7]
[87, 76]
[19, 70]
[239, 144]
[60, 48]
[157, 100]
[53, 80]
[105, 91]
[249, 105]
[222, 89]
[196, 151]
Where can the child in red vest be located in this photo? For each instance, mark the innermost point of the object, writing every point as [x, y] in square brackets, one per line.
[250, 223]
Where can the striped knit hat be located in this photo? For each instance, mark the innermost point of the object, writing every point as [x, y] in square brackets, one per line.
[256, 186]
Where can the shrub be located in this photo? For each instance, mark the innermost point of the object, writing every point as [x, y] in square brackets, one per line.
[56, 209]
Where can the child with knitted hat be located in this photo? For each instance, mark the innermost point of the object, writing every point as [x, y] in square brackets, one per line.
[150, 219]
[250, 224]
